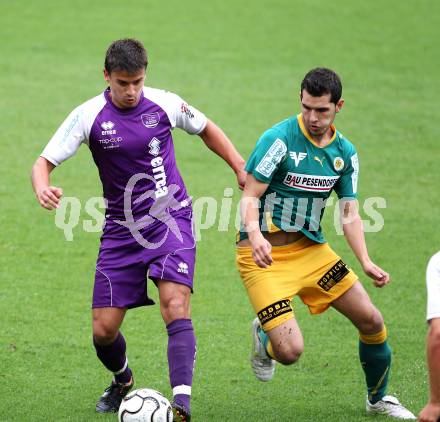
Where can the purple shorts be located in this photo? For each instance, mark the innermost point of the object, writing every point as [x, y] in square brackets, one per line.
[160, 252]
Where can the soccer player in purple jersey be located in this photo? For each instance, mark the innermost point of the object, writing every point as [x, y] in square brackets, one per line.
[148, 227]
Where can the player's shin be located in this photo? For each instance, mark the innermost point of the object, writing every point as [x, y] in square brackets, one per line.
[113, 356]
[181, 359]
[375, 356]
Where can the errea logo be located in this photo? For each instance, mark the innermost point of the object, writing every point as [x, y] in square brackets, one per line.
[182, 268]
[108, 128]
[297, 157]
[107, 125]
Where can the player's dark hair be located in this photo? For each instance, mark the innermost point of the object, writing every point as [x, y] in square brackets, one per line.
[127, 54]
[322, 81]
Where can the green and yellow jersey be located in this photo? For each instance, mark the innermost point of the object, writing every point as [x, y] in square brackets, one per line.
[301, 177]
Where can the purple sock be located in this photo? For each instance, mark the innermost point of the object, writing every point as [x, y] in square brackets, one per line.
[114, 359]
[181, 359]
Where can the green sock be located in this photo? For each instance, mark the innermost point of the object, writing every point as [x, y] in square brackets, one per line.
[376, 363]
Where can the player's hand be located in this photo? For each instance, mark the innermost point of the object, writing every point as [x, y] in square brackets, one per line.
[49, 197]
[241, 178]
[430, 413]
[379, 276]
[261, 251]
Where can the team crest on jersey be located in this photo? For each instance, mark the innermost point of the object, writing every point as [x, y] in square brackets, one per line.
[154, 146]
[150, 120]
[338, 163]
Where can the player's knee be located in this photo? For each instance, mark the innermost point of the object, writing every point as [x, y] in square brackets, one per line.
[288, 355]
[373, 323]
[175, 308]
[104, 334]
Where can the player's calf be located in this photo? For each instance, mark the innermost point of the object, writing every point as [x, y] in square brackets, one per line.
[181, 359]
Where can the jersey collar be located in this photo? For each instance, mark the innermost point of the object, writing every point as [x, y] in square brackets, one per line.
[307, 134]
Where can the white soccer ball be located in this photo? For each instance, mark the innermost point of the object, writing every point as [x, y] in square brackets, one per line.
[145, 405]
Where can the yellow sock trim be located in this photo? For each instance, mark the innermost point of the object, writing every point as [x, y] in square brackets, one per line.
[269, 350]
[377, 338]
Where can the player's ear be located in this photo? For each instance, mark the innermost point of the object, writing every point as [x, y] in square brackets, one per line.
[106, 75]
[339, 105]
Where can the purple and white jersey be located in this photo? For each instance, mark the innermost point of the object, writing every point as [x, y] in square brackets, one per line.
[132, 148]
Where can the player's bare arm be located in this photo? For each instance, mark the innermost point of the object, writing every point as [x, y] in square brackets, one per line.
[261, 248]
[48, 196]
[354, 233]
[217, 141]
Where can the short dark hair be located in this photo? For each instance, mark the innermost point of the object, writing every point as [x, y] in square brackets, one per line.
[127, 54]
[321, 81]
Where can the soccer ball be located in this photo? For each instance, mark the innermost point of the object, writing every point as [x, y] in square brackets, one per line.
[145, 405]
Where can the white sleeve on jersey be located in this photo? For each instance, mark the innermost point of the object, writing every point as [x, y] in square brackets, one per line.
[73, 131]
[433, 286]
[180, 114]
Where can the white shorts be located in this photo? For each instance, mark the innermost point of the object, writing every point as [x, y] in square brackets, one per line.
[433, 286]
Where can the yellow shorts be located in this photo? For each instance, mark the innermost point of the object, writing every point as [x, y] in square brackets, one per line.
[311, 270]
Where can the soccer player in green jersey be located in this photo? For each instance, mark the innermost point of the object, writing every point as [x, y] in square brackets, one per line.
[281, 251]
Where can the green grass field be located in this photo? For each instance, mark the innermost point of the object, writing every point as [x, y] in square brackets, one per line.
[241, 63]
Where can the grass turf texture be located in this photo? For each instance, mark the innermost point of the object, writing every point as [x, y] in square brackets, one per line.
[241, 63]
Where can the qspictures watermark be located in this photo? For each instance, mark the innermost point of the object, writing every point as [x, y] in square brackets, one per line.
[208, 212]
